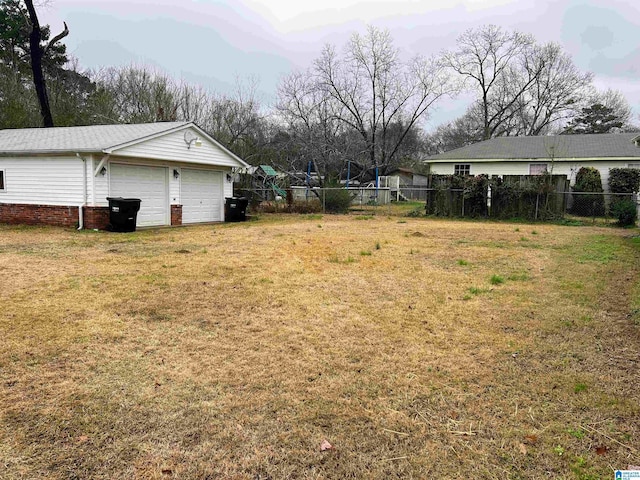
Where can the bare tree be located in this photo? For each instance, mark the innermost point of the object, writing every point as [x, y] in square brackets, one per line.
[462, 131]
[616, 101]
[194, 104]
[235, 119]
[367, 93]
[499, 64]
[140, 95]
[555, 94]
[38, 52]
[314, 131]
[523, 88]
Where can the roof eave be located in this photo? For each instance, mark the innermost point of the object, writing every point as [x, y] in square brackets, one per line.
[32, 153]
[222, 147]
[533, 159]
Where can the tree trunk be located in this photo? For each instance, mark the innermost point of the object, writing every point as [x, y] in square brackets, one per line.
[37, 52]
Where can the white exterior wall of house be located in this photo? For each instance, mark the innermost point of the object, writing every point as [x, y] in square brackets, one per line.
[560, 167]
[46, 180]
[101, 186]
[173, 146]
[168, 151]
[144, 170]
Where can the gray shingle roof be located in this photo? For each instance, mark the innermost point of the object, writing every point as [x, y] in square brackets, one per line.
[564, 146]
[94, 138]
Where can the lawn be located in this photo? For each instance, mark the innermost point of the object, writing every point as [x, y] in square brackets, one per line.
[416, 348]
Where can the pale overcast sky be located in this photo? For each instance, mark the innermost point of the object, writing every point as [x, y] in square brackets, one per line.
[211, 42]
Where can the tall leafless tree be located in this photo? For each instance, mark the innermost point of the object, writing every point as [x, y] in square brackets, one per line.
[490, 59]
[523, 88]
[555, 94]
[38, 52]
[367, 92]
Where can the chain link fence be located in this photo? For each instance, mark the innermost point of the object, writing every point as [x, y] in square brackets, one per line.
[602, 208]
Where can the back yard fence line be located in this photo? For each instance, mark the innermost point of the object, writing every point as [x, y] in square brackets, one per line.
[452, 202]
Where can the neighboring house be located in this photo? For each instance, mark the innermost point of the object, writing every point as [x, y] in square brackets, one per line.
[560, 155]
[409, 177]
[63, 176]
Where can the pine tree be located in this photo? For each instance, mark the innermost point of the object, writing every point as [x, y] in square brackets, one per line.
[597, 118]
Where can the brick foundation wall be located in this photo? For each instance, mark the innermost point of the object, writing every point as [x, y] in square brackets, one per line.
[96, 217]
[56, 215]
[176, 214]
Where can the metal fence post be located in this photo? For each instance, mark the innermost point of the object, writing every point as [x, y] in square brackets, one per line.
[324, 200]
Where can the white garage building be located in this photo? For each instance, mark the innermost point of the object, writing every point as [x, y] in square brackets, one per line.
[63, 176]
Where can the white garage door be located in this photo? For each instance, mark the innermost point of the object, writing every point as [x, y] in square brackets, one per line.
[149, 184]
[201, 195]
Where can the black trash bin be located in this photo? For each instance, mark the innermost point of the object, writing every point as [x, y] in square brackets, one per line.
[235, 209]
[123, 213]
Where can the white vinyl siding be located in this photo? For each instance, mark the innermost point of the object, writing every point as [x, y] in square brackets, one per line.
[147, 183]
[98, 184]
[522, 168]
[173, 147]
[42, 180]
[201, 195]
[227, 186]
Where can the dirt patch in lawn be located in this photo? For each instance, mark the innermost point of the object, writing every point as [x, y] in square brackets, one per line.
[416, 348]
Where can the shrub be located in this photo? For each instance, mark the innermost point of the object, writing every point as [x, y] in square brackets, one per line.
[624, 180]
[336, 199]
[311, 206]
[416, 212]
[588, 180]
[475, 195]
[625, 211]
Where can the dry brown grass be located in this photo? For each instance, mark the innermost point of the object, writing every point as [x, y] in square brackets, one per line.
[233, 351]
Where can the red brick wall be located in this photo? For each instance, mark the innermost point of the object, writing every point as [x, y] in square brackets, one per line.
[176, 214]
[96, 217]
[60, 216]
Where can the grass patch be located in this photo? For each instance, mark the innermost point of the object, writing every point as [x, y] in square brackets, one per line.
[519, 277]
[579, 387]
[477, 290]
[496, 279]
[346, 260]
[124, 359]
[599, 249]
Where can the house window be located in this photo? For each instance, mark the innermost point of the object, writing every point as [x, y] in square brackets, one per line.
[462, 169]
[537, 168]
[2, 183]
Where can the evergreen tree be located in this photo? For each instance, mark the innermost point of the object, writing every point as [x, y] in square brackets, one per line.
[597, 118]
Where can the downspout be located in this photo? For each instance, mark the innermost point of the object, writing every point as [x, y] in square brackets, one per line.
[84, 192]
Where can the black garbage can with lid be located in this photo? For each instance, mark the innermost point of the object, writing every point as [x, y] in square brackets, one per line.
[235, 209]
[123, 213]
